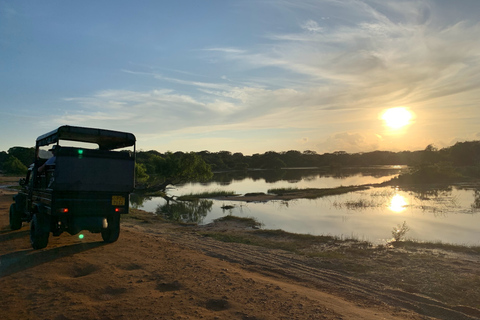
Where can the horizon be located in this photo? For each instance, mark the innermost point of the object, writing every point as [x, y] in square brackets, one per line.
[248, 77]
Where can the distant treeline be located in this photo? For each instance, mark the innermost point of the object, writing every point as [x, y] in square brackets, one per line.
[460, 154]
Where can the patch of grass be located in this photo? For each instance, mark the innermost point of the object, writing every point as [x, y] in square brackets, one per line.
[414, 245]
[280, 191]
[254, 194]
[313, 193]
[206, 195]
[251, 222]
[358, 204]
[229, 237]
[303, 244]
[299, 237]
[141, 215]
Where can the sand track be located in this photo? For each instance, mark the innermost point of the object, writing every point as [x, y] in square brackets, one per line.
[278, 263]
[162, 271]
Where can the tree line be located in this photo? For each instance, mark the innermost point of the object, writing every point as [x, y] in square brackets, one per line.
[177, 167]
[460, 154]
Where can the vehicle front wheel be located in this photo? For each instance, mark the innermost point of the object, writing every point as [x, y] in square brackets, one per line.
[15, 218]
[39, 231]
[112, 231]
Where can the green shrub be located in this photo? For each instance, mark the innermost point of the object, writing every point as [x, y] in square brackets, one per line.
[141, 175]
[435, 173]
[14, 166]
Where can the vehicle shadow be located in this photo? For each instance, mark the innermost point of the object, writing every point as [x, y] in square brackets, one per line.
[10, 235]
[14, 262]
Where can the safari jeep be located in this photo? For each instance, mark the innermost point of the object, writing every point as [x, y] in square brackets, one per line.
[86, 189]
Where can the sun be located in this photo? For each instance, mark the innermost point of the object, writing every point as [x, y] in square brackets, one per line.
[396, 118]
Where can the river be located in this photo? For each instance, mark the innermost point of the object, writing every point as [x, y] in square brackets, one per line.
[448, 215]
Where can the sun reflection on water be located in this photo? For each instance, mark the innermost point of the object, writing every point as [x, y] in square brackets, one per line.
[398, 203]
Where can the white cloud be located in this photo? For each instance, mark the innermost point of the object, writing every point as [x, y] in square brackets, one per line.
[375, 55]
[179, 81]
[311, 26]
[350, 142]
[226, 50]
[392, 51]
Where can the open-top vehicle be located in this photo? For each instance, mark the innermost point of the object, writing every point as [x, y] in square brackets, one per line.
[86, 188]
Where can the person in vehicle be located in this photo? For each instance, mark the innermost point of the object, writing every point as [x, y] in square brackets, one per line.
[51, 160]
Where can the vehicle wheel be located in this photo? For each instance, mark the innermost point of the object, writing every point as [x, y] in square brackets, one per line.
[15, 218]
[39, 231]
[112, 232]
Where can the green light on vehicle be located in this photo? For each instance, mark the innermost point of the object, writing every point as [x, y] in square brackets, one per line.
[80, 236]
[80, 151]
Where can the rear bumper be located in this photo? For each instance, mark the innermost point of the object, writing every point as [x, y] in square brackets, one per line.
[89, 204]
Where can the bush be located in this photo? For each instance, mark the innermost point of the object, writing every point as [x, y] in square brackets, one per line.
[399, 231]
[14, 166]
[141, 175]
[436, 173]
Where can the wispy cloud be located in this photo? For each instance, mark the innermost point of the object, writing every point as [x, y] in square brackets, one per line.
[199, 84]
[226, 50]
[399, 54]
[311, 26]
[376, 54]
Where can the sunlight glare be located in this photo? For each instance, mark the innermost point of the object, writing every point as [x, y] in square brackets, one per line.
[396, 118]
[398, 203]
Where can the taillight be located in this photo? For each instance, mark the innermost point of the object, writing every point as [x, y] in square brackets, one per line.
[63, 210]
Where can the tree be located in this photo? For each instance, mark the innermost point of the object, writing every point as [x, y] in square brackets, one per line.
[275, 163]
[149, 160]
[25, 155]
[431, 148]
[14, 166]
[141, 175]
[465, 153]
[3, 158]
[430, 155]
[180, 168]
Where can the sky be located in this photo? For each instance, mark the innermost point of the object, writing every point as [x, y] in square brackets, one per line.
[246, 76]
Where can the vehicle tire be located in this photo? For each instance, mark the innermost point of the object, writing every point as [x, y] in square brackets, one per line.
[112, 232]
[39, 231]
[15, 218]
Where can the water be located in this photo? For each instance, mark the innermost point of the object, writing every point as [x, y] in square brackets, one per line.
[451, 215]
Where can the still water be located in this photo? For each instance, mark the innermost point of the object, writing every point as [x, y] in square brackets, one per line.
[450, 215]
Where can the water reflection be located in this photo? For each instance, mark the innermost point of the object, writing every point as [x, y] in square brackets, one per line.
[435, 200]
[185, 211]
[298, 175]
[242, 182]
[447, 214]
[398, 203]
[431, 193]
[137, 200]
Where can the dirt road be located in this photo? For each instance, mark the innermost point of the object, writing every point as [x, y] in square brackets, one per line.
[163, 271]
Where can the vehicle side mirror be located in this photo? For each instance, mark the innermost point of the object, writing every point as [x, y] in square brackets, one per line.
[21, 182]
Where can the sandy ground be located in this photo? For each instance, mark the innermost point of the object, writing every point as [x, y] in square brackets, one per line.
[165, 271]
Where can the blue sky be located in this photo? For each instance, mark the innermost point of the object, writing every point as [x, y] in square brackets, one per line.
[243, 76]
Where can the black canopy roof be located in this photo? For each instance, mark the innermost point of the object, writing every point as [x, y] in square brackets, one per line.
[106, 139]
